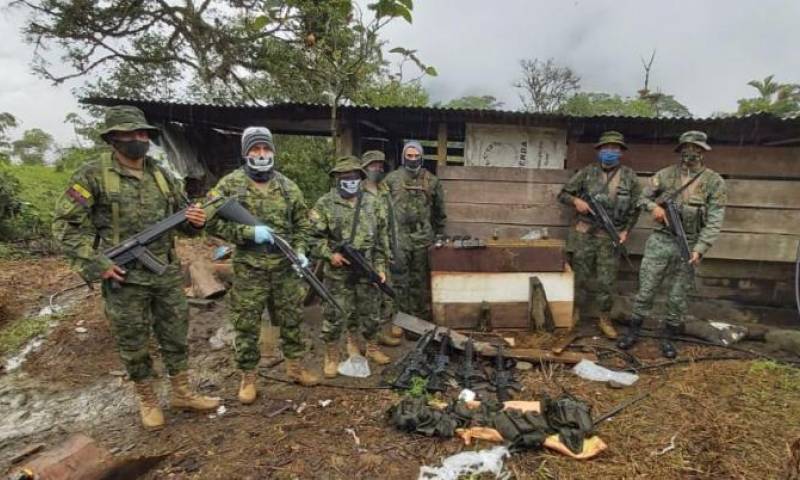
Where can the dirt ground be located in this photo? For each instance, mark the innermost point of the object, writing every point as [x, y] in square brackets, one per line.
[705, 419]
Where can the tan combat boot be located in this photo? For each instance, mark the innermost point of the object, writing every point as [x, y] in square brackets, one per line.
[247, 388]
[396, 331]
[149, 409]
[184, 397]
[374, 353]
[330, 367]
[352, 346]
[298, 374]
[388, 340]
[605, 325]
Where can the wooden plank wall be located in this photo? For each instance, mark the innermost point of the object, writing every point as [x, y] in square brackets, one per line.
[751, 260]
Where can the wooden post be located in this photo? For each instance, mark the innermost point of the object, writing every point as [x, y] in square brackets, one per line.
[441, 148]
[344, 144]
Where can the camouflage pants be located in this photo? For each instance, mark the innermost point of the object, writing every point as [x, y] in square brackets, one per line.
[662, 263]
[594, 257]
[361, 303]
[278, 289]
[388, 305]
[134, 310]
[412, 278]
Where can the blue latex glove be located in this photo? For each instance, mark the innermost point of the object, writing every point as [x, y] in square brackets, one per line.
[303, 260]
[263, 234]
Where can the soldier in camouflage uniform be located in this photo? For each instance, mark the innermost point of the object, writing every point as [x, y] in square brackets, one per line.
[373, 163]
[701, 197]
[108, 200]
[262, 276]
[420, 215]
[593, 254]
[347, 214]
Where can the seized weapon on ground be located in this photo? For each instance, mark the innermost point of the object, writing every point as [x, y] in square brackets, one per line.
[603, 220]
[676, 227]
[415, 363]
[359, 266]
[502, 379]
[468, 376]
[135, 247]
[234, 211]
[436, 380]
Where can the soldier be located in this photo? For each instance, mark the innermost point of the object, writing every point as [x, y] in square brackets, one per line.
[112, 198]
[347, 214]
[262, 276]
[700, 194]
[593, 254]
[373, 163]
[420, 215]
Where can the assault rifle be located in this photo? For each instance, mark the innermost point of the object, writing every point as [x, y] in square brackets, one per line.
[436, 380]
[676, 228]
[502, 378]
[235, 212]
[415, 363]
[603, 220]
[467, 375]
[135, 247]
[360, 267]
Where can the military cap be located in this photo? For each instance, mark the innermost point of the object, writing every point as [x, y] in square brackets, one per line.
[372, 156]
[125, 118]
[348, 163]
[695, 137]
[611, 137]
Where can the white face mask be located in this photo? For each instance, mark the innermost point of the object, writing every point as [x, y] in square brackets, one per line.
[261, 163]
[349, 187]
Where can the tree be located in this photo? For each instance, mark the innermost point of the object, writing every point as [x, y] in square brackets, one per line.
[33, 147]
[390, 92]
[587, 104]
[661, 104]
[545, 85]
[474, 102]
[779, 99]
[7, 121]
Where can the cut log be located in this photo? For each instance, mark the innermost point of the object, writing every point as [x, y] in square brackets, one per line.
[79, 457]
[538, 309]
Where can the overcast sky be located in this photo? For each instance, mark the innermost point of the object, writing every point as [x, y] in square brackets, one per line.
[707, 50]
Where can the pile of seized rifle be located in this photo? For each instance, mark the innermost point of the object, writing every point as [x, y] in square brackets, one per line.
[440, 371]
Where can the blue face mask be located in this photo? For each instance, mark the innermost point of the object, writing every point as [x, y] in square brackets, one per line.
[609, 158]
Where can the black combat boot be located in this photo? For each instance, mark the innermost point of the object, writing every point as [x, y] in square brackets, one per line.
[671, 329]
[632, 335]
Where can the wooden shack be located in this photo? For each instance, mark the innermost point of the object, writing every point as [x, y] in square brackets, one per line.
[759, 156]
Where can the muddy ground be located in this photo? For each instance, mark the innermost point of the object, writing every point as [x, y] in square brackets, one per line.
[705, 419]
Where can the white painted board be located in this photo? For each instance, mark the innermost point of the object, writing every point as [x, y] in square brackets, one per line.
[490, 145]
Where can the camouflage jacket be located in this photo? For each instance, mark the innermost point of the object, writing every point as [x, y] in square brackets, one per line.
[280, 205]
[702, 204]
[419, 206]
[84, 216]
[332, 225]
[386, 202]
[622, 203]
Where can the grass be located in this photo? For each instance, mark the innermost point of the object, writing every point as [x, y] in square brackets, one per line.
[40, 187]
[14, 335]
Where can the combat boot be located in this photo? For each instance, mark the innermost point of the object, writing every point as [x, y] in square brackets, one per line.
[184, 397]
[374, 353]
[388, 340]
[352, 346]
[247, 388]
[330, 367]
[672, 328]
[149, 409]
[632, 335]
[396, 331]
[298, 374]
[607, 327]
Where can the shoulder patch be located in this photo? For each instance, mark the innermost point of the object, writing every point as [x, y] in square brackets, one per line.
[79, 194]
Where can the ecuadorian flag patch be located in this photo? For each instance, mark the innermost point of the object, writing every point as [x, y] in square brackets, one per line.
[79, 195]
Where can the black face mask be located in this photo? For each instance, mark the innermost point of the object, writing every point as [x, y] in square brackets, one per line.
[133, 149]
[375, 175]
[256, 176]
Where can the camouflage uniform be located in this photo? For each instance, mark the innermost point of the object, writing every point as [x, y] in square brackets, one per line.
[263, 277]
[593, 253]
[332, 223]
[420, 216]
[702, 208]
[104, 204]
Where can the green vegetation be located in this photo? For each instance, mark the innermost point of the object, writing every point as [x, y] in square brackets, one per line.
[418, 388]
[13, 336]
[36, 188]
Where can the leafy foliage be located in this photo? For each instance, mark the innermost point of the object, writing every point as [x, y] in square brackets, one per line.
[594, 103]
[474, 102]
[33, 147]
[779, 99]
[7, 121]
